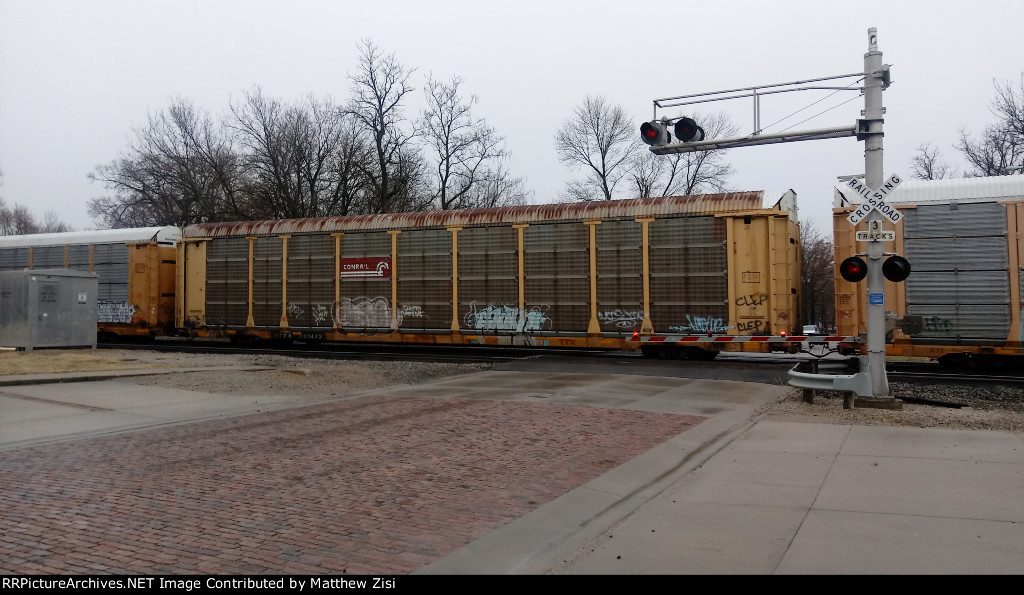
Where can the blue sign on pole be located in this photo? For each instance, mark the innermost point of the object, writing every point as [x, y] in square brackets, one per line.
[876, 298]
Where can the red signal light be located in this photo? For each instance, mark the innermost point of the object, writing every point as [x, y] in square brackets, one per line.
[654, 133]
[853, 269]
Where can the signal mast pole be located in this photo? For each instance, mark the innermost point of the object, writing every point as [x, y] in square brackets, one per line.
[873, 172]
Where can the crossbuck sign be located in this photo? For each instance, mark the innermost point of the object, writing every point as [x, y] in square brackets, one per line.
[875, 200]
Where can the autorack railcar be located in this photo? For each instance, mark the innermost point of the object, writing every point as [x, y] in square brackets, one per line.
[962, 300]
[661, 274]
[136, 269]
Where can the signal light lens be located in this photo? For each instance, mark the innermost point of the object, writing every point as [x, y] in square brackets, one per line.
[853, 269]
[653, 133]
[896, 268]
[687, 130]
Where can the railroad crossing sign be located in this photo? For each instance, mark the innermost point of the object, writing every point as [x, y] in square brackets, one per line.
[875, 200]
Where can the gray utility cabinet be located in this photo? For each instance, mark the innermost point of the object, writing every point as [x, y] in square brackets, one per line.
[48, 308]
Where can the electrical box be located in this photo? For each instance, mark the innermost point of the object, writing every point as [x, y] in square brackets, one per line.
[48, 308]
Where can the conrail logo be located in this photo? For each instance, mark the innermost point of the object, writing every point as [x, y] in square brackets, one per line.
[378, 267]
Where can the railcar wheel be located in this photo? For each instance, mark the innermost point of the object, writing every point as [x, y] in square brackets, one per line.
[953, 360]
[699, 354]
[674, 353]
[244, 340]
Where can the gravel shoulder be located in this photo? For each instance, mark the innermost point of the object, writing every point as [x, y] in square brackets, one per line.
[981, 407]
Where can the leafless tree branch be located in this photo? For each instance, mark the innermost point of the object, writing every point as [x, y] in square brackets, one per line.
[468, 155]
[599, 138]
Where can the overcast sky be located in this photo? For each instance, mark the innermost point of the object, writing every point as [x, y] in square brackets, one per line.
[77, 75]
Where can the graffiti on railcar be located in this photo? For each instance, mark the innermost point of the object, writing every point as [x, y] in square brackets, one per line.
[409, 311]
[500, 317]
[114, 311]
[363, 312]
[622, 319]
[320, 314]
[294, 312]
[216, 325]
[752, 300]
[751, 311]
[701, 324]
[939, 325]
[753, 327]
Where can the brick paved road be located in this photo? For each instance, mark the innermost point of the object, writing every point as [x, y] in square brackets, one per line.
[371, 485]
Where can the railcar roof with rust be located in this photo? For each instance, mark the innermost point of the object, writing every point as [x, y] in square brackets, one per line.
[704, 204]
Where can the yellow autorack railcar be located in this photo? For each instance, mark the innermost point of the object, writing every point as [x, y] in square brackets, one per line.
[689, 275]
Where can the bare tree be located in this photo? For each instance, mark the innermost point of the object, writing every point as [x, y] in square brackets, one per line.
[272, 159]
[926, 164]
[394, 175]
[498, 188]
[261, 127]
[468, 155]
[302, 160]
[173, 173]
[15, 220]
[1008, 106]
[600, 138]
[817, 271]
[1000, 148]
[647, 173]
[994, 154]
[352, 154]
[18, 220]
[52, 224]
[268, 160]
[683, 174]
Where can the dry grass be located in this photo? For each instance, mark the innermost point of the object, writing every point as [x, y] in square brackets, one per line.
[45, 361]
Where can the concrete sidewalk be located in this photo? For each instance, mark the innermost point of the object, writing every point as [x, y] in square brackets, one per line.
[794, 498]
[40, 408]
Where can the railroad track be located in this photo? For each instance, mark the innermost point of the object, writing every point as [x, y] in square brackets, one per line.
[933, 372]
[910, 372]
[375, 351]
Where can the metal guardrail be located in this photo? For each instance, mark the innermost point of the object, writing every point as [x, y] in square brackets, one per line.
[849, 376]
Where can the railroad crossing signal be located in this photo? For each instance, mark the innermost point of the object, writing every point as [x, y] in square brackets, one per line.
[687, 131]
[853, 269]
[655, 133]
[895, 268]
[871, 380]
[875, 200]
